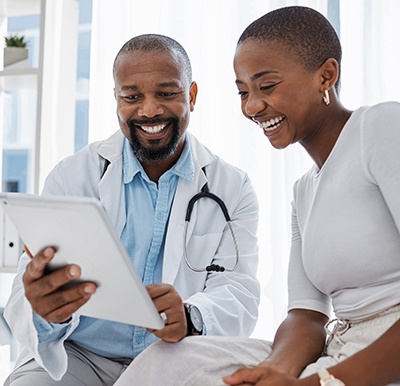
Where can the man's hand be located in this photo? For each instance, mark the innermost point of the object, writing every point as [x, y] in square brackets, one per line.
[167, 300]
[43, 290]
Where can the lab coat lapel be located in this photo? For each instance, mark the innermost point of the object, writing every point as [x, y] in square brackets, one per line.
[111, 186]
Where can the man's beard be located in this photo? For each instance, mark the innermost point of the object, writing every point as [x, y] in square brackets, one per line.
[146, 155]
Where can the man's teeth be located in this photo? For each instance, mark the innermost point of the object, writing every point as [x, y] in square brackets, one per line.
[153, 129]
[272, 124]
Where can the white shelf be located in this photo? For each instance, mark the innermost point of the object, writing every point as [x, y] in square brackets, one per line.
[16, 79]
[10, 8]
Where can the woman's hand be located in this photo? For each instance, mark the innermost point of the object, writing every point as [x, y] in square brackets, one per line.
[263, 375]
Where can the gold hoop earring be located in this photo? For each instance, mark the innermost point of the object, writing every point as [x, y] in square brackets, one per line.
[326, 98]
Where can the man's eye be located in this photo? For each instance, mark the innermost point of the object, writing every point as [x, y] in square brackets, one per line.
[242, 93]
[129, 98]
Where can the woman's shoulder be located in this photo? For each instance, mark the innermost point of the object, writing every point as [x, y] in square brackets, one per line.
[382, 112]
[376, 123]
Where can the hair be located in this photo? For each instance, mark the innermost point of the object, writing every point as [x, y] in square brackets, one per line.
[306, 33]
[154, 42]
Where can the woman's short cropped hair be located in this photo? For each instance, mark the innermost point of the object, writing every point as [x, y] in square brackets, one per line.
[306, 33]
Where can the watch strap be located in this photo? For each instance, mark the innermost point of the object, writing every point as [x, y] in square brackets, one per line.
[327, 379]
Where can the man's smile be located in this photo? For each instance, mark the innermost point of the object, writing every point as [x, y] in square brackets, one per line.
[153, 129]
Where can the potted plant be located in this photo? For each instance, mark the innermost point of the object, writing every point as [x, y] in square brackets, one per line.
[15, 50]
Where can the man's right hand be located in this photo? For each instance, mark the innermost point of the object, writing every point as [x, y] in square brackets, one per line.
[43, 290]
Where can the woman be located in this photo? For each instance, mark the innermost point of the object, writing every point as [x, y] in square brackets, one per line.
[345, 249]
[346, 209]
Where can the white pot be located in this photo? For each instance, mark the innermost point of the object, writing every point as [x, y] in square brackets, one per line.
[14, 55]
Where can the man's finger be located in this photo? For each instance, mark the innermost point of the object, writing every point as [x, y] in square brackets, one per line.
[65, 311]
[36, 267]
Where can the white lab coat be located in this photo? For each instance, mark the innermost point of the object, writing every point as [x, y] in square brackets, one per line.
[228, 301]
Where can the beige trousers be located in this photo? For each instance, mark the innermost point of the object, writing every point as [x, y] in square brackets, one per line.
[203, 361]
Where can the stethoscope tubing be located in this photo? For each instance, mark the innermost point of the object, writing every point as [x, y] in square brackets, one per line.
[229, 223]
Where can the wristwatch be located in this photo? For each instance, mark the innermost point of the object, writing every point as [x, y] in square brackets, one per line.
[194, 319]
[327, 379]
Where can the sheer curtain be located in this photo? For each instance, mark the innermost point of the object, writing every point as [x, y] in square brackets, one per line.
[209, 29]
[370, 35]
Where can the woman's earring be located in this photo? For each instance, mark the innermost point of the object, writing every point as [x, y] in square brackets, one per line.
[326, 98]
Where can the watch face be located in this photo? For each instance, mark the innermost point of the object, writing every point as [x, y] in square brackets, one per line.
[197, 319]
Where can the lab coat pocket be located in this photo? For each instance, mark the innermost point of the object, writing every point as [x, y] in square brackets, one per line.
[201, 250]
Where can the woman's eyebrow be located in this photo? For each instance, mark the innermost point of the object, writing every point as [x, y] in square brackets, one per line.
[258, 75]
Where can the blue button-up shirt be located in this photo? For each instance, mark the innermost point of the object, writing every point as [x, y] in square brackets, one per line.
[148, 207]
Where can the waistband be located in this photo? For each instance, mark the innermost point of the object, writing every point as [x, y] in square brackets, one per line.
[340, 326]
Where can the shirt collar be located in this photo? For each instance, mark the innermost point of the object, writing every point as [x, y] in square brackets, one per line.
[184, 167]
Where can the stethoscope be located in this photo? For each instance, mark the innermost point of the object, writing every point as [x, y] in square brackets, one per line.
[205, 193]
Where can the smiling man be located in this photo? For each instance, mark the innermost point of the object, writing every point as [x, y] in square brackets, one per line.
[144, 175]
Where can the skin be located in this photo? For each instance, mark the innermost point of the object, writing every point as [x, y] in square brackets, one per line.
[273, 83]
[148, 86]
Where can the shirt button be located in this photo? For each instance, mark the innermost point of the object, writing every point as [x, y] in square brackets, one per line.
[160, 216]
[139, 340]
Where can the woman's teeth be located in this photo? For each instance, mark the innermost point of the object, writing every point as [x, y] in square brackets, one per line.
[272, 124]
[153, 129]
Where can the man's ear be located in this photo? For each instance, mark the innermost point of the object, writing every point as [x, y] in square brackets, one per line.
[193, 95]
[329, 71]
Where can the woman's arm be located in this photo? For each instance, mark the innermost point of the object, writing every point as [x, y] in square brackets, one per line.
[300, 340]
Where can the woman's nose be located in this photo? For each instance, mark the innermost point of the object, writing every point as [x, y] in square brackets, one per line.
[254, 105]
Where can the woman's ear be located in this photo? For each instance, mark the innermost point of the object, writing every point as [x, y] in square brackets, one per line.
[329, 71]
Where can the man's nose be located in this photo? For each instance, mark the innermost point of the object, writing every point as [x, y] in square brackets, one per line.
[150, 108]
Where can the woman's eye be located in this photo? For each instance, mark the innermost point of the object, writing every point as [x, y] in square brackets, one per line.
[167, 94]
[266, 88]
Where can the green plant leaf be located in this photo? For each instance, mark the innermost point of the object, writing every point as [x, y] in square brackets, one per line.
[15, 40]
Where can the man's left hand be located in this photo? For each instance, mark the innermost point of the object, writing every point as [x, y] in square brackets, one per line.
[167, 300]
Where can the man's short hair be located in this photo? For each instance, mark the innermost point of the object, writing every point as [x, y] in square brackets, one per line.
[155, 42]
[306, 33]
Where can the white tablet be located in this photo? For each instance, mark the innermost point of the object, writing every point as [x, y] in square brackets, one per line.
[79, 229]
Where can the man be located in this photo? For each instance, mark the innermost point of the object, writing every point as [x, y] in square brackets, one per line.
[144, 176]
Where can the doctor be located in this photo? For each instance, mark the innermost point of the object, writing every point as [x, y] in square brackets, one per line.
[144, 175]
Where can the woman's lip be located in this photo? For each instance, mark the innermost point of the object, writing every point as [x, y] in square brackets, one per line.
[271, 124]
[272, 131]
